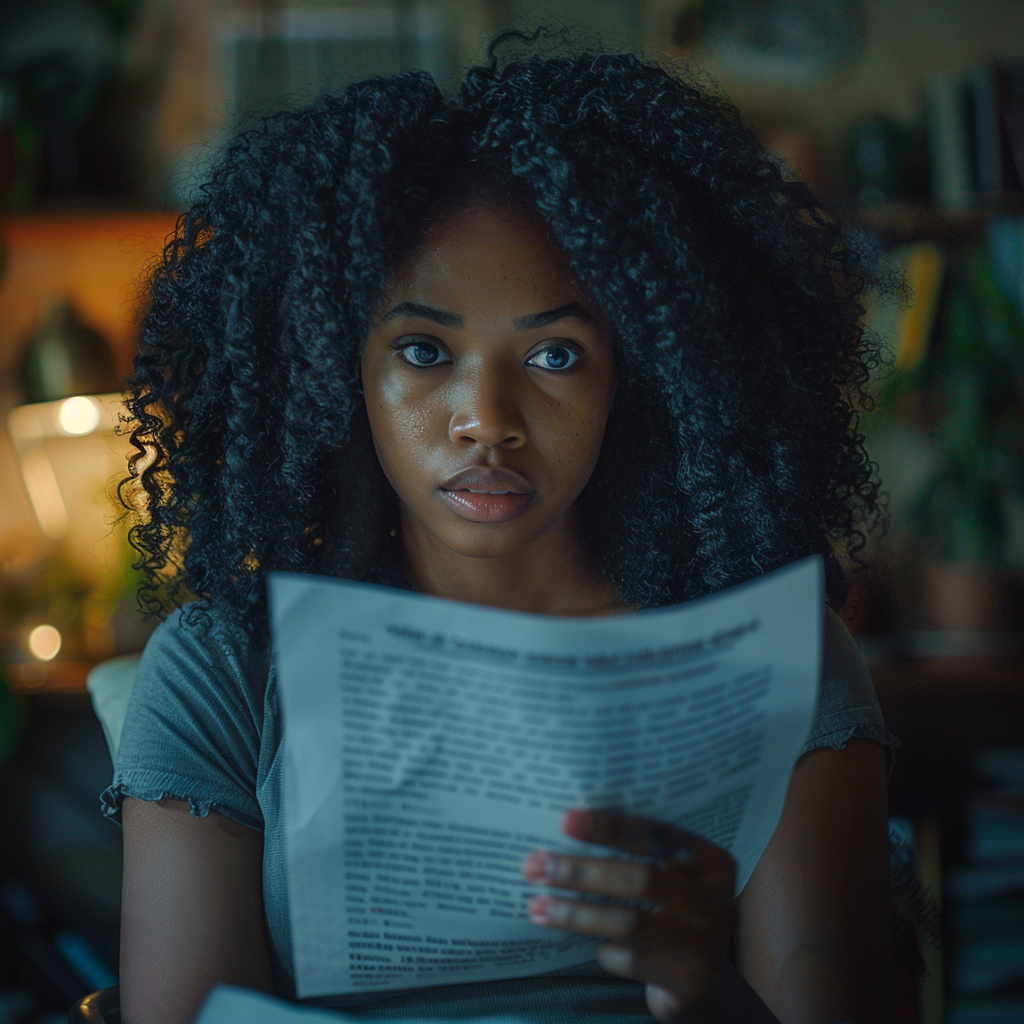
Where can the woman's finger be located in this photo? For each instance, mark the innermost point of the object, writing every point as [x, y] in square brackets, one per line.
[664, 1005]
[695, 900]
[626, 924]
[686, 975]
[669, 846]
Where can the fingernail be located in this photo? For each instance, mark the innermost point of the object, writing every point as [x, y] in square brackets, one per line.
[535, 867]
[537, 909]
[558, 869]
[579, 824]
[617, 959]
[557, 911]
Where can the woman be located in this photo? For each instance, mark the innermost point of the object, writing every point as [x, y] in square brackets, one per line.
[567, 344]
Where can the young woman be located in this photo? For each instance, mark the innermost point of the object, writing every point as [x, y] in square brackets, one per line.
[568, 344]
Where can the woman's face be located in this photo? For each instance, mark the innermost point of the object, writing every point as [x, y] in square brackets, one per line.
[488, 380]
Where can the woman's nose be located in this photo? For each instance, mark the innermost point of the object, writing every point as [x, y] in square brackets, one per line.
[487, 411]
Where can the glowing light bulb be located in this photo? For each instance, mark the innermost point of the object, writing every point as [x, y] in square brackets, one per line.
[78, 415]
[44, 642]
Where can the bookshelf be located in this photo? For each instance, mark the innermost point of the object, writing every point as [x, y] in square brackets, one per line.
[951, 716]
[958, 716]
[899, 223]
[52, 677]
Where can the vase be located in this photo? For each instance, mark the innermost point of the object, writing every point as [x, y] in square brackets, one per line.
[966, 596]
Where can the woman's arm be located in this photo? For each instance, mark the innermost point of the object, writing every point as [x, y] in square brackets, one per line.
[814, 933]
[191, 910]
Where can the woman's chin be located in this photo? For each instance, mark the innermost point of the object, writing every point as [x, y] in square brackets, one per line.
[487, 540]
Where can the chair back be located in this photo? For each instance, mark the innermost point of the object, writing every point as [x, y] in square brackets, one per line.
[99, 1008]
[110, 685]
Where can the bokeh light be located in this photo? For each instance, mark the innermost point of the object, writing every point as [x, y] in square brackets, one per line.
[44, 642]
[79, 415]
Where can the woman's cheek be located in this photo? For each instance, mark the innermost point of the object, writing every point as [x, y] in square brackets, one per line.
[405, 437]
[573, 435]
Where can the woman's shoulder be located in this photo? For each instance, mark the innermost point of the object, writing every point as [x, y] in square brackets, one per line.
[199, 654]
[195, 718]
[843, 664]
[847, 705]
[204, 635]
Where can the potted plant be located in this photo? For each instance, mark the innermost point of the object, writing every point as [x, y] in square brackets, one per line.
[967, 393]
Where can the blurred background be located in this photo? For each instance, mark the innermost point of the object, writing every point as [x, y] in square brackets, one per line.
[909, 114]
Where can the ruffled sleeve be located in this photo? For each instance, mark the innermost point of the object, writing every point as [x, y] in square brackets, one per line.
[193, 722]
[847, 706]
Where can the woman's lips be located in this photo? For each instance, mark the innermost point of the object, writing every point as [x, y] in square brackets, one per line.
[486, 508]
[487, 494]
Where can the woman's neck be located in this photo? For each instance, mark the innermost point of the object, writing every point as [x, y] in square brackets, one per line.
[552, 576]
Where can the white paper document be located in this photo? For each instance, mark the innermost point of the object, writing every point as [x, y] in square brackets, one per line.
[430, 745]
[229, 1004]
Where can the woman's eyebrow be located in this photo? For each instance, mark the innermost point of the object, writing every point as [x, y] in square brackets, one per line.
[536, 320]
[530, 322]
[439, 316]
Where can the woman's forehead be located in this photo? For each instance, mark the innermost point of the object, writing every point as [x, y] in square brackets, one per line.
[485, 259]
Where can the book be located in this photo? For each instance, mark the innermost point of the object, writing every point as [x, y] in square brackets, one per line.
[986, 897]
[976, 135]
[950, 135]
[1010, 79]
[988, 131]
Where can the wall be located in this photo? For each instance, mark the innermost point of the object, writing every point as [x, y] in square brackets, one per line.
[906, 42]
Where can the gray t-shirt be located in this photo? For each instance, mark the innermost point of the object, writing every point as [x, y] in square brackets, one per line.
[203, 725]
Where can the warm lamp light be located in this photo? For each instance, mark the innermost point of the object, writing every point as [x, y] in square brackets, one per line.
[44, 642]
[68, 451]
[78, 415]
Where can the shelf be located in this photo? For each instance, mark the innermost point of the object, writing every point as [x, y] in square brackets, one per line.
[902, 222]
[122, 228]
[944, 711]
[47, 676]
[964, 702]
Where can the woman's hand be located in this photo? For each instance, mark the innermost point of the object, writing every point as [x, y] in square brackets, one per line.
[678, 945]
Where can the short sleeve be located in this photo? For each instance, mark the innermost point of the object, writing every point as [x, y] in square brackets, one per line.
[192, 726]
[847, 706]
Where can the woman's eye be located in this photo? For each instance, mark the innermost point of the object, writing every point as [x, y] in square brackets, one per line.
[554, 357]
[423, 353]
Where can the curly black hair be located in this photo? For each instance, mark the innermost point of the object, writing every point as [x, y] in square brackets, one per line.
[734, 299]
